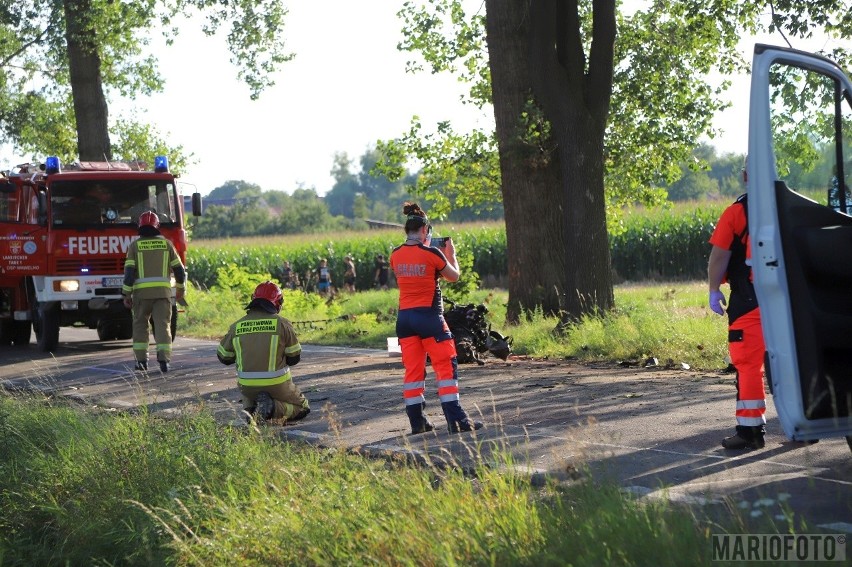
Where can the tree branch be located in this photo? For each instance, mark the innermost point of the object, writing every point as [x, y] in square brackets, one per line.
[24, 46]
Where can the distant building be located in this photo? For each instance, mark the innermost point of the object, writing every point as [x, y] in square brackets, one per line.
[205, 202]
[383, 224]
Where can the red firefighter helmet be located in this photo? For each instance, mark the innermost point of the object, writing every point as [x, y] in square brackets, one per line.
[149, 218]
[270, 292]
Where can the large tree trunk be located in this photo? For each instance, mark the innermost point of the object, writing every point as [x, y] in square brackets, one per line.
[553, 191]
[84, 62]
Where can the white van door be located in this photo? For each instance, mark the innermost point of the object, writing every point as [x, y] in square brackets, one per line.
[799, 206]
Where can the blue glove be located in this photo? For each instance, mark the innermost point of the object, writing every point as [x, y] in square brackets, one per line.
[717, 301]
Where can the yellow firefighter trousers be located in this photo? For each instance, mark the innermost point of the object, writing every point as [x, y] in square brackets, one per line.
[159, 311]
[290, 404]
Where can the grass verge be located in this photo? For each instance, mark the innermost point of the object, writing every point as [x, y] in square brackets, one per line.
[84, 488]
[667, 321]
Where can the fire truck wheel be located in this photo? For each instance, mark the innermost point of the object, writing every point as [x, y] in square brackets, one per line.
[125, 330]
[107, 331]
[6, 332]
[47, 330]
[21, 332]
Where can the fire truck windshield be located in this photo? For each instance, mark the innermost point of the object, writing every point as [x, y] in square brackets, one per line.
[110, 202]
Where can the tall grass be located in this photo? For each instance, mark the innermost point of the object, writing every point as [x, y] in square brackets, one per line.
[667, 321]
[82, 488]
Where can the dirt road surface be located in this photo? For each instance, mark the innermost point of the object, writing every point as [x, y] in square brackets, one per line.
[657, 432]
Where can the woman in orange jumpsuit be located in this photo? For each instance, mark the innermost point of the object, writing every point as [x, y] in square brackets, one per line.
[420, 324]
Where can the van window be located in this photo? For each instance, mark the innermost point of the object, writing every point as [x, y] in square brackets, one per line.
[812, 147]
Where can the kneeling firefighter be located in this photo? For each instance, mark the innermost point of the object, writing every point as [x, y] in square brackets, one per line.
[264, 346]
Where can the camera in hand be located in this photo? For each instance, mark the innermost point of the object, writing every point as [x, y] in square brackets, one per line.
[439, 241]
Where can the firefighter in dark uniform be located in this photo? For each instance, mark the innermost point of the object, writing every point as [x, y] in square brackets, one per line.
[148, 292]
[264, 346]
[728, 262]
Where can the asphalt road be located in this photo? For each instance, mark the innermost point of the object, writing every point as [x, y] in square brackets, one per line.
[654, 431]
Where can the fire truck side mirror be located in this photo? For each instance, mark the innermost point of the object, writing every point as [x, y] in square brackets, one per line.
[196, 204]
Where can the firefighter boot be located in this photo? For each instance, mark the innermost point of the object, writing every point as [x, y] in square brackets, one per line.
[747, 437]
[264, 407]
[457, 418]
[419, 422]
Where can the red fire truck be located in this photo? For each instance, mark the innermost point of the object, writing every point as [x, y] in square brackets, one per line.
[64, 233]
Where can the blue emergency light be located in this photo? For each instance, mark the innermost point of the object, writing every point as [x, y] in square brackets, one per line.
[52, 165]
[161, 164]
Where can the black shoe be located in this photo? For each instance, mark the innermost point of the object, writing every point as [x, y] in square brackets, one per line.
[141, 365]
[265, 407]
[457, 418]
[468, 425]
[164, 366]
[738, 443]
[302, 414]
[425, 426]
[419, 422]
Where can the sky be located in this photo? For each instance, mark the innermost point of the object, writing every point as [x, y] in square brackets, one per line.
[346, 88]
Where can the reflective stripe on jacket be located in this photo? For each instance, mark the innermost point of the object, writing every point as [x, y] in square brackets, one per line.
[260, 343]
[150, 261]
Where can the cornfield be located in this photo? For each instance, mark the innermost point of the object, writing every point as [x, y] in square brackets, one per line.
[668, 244]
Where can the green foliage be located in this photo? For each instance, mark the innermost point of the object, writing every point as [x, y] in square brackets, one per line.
[708, 176]
[661, 99]
[210, 313]
[669, 321]
[468, 281]
[235, 189]
[83, 488]
[255, 212]
[449, 39]
[133, 140]
[481, 250]
[664, 244]
[457, 170]
[237, 279]
[70, 479]
[660, 104]
[36, 106]
[638, 99]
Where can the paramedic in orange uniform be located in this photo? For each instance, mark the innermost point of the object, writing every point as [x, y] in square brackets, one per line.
[420, 325]
[731, 249]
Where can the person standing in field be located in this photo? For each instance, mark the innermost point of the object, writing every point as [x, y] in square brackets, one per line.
[420, 324]
[147, 289]
[264, 346]
[323, 276]
[349, 274]
[730, 259]
[381, 274]
[287, 280]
